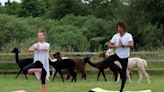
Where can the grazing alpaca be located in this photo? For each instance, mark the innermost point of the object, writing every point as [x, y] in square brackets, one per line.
[21, 63]
[134, 62]
[80, 65]
[64, 64]
[101, 66]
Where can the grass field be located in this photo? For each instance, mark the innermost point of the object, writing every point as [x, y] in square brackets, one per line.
[8, 84]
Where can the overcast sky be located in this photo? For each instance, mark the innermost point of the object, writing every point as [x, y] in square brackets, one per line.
[3, 1]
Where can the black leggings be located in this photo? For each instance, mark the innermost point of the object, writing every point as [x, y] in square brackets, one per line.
[37, 64]
[122, 71]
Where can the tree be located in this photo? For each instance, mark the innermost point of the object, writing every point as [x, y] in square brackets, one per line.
[12, 8]
[32, 8]
[106, 9]
[61, 8]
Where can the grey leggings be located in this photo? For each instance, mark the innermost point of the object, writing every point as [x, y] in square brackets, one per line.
[37, 64]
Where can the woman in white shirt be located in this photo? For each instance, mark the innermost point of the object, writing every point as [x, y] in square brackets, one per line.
[121, 41]
[41, 62]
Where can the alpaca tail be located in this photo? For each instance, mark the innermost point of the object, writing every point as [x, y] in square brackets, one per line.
[145, 63]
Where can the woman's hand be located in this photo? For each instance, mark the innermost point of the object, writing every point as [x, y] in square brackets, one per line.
[37, 46]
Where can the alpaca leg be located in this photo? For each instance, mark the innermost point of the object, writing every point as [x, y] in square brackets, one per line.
[115, 69]
[25, 75]
[19, 73]
[146, 75]
[128, 76]
[83, 75]
[104, 75]
[68, 75]
[54, 75]
[115, 73]
[98, 75]
[118, 78]
[73, 76]
[61, 75]
[140, 75]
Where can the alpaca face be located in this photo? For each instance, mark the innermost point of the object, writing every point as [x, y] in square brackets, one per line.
[15, 50]
[57, 55]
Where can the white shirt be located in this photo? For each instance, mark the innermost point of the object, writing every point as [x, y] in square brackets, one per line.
[125, 39]
[42, 56]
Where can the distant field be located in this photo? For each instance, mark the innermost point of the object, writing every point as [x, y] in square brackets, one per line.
[8, 84]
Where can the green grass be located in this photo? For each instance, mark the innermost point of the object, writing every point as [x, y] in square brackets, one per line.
[8, 84]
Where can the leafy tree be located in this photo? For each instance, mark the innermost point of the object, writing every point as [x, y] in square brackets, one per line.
[33, 8]
[12, 8]
[61, 8]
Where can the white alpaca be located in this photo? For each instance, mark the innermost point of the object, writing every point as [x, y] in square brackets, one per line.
[134, 62]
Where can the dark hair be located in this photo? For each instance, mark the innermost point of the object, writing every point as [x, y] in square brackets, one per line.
[122, 24]
[42, 31]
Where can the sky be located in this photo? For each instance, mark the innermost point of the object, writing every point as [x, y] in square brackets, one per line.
[3, 1]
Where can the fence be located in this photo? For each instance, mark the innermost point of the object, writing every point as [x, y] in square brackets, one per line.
[155, 59]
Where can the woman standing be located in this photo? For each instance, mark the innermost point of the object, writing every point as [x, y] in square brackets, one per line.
[121, 41]
[41, 63]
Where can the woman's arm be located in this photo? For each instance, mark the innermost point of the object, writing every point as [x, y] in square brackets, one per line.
[44, 49]
[31, 49]
[112, 45]
[36, 47]
[130, 44]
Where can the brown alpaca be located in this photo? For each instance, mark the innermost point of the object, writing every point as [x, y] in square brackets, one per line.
[101, 66]
[80, 65]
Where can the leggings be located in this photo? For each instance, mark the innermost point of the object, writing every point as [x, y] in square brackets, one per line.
[122, 71]
[37, 64]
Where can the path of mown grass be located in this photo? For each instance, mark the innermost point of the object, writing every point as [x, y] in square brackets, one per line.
[8, 84]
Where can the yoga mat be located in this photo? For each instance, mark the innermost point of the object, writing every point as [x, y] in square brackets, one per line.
[103, 90]
[19, 91]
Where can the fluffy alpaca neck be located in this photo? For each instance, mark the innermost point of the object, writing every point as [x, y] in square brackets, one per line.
[17, 58]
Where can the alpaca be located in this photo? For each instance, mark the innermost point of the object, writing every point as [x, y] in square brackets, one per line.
[137, 62]
[64, 64]
[80, 65]
[21, 63]
[101, 66]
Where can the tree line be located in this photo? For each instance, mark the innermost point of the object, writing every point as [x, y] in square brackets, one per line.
[81, 25]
